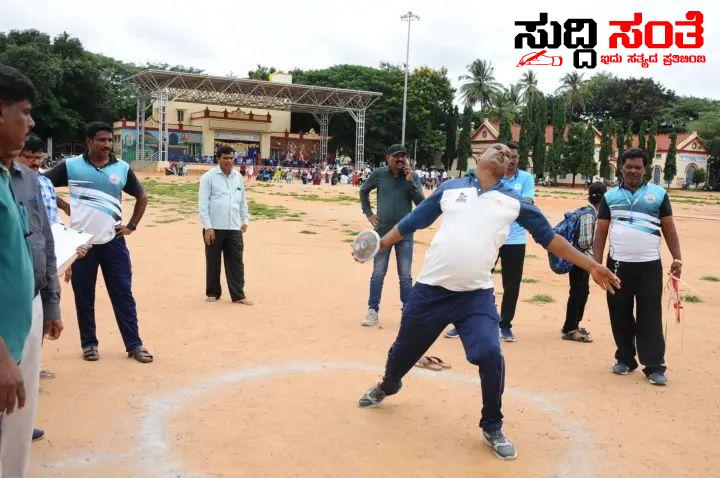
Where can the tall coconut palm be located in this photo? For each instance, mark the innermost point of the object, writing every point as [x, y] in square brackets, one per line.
[572, 85]
[507, 101]
[481, 84]
[528, 86]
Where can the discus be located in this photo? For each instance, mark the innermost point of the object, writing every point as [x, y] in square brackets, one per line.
[366, 245]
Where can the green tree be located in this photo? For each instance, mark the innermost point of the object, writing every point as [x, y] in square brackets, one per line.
[699, 177]
[670, 169]
[573, 88]
[629, 135]
[606, 150]
[451, 136]
[480, 84]
[538, 124]
[528, 88]
[262, 72]
[624, 99]
[430, 96]
[579, 151]
[620, 147]
[526, 132]
[651, 147]
[642, 132]
[464, 148]
[557, 148]
[505, 133]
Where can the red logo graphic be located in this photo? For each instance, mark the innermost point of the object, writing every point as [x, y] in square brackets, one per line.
[540, 59]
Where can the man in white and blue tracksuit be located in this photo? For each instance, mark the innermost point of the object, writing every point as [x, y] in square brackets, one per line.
[456, 286]
[97, 180]
[512, 252]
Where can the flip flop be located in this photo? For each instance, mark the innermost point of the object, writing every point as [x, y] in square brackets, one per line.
[243, 301]
[577, 336]
[91, 354]
[429, 364]
[440, 362]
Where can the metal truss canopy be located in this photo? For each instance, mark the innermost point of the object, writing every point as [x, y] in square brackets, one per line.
[197, 88]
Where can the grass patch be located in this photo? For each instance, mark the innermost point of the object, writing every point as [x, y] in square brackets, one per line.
[305, 231]
[292, 219]
[711, 278]
[692, 299]
[528, 280]
[531, 256]
[167, 221]
[348, 240]
[264, 211]
[539, 299]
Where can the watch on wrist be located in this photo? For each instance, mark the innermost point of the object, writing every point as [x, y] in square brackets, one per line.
[677, 261]
[131, 226]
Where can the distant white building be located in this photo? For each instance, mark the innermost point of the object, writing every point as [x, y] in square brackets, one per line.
[691, 153]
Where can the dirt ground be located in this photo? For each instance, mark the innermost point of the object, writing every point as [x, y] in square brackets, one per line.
[271, 390]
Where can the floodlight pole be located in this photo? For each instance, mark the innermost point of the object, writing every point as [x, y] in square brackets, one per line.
[408, 17]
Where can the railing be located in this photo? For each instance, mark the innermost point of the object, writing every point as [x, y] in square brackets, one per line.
[266, 118]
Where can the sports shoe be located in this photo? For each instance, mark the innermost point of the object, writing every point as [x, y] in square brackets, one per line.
[501, 446]
[506, 335]
[620, 369]
[371, 318]
[372, 397]
[658, 378]
[38, 434]
[452, 333]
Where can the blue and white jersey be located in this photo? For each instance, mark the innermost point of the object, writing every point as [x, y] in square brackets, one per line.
[95, 193]
[635, 226]
[523, 184]
[474, 226]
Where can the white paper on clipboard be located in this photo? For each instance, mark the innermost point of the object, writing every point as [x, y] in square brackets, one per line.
[67, 240]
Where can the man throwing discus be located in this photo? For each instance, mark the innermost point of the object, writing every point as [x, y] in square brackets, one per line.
[456, 286]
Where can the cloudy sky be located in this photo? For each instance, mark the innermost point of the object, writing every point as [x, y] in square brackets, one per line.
[231, 37]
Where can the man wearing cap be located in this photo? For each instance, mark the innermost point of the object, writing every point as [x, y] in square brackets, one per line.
[398, 187]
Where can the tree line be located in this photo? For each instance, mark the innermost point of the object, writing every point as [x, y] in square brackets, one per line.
[78, 86]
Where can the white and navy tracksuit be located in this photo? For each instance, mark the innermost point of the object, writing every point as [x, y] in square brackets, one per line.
[456, 286]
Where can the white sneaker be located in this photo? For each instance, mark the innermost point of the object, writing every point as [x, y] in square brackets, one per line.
[371, 318]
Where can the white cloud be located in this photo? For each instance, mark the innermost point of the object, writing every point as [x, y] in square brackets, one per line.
[223, 36]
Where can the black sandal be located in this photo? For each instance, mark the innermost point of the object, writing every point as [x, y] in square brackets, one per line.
[91, 354]
[141, 354]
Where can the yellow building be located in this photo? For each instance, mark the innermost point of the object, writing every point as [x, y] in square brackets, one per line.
[196, 130]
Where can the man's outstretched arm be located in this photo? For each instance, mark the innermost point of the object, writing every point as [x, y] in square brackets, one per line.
[532, 219]
[600, 274]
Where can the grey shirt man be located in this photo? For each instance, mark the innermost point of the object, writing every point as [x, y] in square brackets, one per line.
[27, 193]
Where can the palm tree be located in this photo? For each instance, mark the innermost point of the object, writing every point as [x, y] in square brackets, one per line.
[528, 86]
[505, 101]
[572, 85]
[481, 84]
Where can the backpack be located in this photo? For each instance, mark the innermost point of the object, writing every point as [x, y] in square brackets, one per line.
[568, 228]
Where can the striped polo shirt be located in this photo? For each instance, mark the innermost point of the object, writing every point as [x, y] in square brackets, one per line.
[635, 227]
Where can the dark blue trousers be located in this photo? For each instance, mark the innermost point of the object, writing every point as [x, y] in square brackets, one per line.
[114, 259]
[426, 314]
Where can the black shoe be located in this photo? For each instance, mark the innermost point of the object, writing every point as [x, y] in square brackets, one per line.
[658, 378]
[501, 446]
[620, 369]
[38, 434]
[372, 397]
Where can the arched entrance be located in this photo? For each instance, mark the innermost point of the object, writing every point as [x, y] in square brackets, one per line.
[690, 174]
[657, 174]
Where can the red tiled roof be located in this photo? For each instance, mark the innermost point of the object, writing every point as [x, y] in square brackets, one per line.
[662, 141]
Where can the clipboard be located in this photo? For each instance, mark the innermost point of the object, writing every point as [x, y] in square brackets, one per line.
[67, 240]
